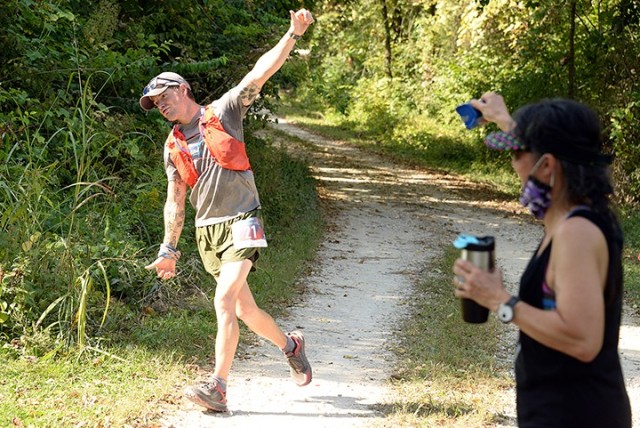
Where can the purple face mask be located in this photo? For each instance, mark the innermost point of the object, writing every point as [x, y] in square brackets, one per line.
[536, 195]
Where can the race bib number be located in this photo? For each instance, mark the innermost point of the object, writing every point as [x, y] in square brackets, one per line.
[248, 233]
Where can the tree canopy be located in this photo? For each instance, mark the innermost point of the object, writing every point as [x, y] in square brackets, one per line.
[383, 61]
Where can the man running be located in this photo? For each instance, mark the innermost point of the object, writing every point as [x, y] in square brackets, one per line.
[205, 151]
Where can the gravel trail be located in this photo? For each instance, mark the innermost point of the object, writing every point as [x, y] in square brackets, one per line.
[387, 221]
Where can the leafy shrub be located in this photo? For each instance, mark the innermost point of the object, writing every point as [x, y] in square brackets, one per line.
[624, 136]
[81, 178]
[14, 297]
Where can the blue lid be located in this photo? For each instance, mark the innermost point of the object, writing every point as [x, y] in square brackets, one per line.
[474, 243]
[463, 240]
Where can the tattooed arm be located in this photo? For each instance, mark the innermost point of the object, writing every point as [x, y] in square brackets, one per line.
[248, 92]
[174, 213]
[270, 62]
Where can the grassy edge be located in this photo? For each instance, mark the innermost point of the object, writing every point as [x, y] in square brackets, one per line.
[448, 372]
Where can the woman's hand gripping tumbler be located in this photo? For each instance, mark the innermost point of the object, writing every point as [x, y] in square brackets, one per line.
[481, 252]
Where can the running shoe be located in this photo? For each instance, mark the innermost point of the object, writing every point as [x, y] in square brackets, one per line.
[208, 395]
[297, 359]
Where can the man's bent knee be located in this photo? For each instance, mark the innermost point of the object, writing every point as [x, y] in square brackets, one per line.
[246, 311]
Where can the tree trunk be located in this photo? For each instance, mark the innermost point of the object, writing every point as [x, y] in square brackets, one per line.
[572, 51]
[387, 38]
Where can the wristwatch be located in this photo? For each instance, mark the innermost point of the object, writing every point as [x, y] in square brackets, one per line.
[505, 310]
[294, 36]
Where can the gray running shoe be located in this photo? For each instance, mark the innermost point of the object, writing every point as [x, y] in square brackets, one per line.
[297, 359]
[208, 395]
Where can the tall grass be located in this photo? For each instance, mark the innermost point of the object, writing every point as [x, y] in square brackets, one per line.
[630, 219]
[46, 253]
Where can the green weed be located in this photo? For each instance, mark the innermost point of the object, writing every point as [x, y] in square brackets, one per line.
[448, 368]
[72, 391]
[631, 226]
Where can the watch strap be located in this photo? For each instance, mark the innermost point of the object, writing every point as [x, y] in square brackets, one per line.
[512, 301]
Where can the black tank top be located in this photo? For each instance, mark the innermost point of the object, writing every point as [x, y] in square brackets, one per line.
[556, 390]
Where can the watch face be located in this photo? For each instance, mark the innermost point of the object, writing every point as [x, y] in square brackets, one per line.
[505, 313]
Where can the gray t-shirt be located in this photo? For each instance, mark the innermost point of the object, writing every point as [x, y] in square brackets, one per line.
[219, 194]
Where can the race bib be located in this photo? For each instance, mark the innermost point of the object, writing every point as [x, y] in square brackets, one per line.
[248, 233]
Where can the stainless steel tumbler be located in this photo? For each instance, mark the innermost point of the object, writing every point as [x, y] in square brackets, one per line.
[481, 252]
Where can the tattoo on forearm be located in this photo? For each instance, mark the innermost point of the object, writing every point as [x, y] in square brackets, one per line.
[174, 216]
[249, 93]
[175, 222]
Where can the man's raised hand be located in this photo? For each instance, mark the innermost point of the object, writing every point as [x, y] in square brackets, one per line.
[300, 21]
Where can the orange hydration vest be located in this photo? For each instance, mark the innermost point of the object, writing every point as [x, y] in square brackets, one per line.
[227, 151]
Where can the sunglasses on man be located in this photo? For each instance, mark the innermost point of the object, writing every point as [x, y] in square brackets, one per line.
[156, 84]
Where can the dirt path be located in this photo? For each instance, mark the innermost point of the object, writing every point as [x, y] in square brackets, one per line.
[388, 221]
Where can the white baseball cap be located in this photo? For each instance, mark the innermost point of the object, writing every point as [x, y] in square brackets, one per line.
[158, 85]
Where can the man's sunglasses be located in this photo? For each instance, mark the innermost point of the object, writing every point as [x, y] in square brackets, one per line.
[155, 84]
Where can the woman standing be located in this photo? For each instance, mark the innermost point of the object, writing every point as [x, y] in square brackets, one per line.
[569, 305]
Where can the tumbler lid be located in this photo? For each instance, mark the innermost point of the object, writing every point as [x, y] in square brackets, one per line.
[474, 243]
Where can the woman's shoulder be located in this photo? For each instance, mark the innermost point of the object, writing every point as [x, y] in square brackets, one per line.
[579, 235]
[579, 227]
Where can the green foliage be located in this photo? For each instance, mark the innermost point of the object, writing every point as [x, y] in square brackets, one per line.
[630, 219]
[446, 52]
[81, 178]
[377, 115]
[13, 295]
[624, 136]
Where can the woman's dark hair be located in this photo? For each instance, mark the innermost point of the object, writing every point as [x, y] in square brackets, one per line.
[571, 131]
[567, 129]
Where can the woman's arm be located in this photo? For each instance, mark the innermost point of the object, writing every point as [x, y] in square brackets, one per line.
[577, 273]
[493, 109]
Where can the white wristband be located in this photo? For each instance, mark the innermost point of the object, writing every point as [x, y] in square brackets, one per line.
[169, 252]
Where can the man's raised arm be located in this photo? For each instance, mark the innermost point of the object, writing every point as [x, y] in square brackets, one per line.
[271, 61]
